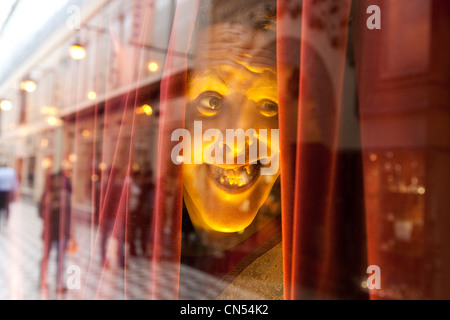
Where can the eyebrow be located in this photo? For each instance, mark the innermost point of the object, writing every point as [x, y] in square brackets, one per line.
[205, 74]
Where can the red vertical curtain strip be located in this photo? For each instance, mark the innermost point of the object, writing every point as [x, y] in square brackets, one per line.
[44, 211]
[148, 13]
[169, 186]
[366, 62]
[334, 218]
[114, 181]
[288, 62]
[314, 217]
[64, 216]
[114, 204]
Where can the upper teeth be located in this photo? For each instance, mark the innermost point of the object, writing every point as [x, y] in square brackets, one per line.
[239, 176]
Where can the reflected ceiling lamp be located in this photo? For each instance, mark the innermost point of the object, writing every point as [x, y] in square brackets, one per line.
[28, 86]
[5, 105]
[77, 52]
[92, 95]
[145, 109]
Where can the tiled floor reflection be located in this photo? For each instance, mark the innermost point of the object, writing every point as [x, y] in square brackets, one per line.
[21, 252]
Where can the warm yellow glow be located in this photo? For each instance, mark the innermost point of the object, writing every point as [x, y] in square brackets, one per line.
[135, 167]
[86, 133]
[153, 66]
[44, 143]
[223, 80]
[28, 86]
[102, 166]
[77, 52]
[66, 165]
[92, 95]
[220, 197]
[48, 110]
[6, 105]
[46, 163]
[421, 190]
[147, 109]
[364, 284]
[54, 121]
[72, 157]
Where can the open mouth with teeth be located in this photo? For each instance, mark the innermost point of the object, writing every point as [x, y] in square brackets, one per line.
[235, 179]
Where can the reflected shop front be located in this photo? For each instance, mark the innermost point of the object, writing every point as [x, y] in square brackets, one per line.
[225, 150]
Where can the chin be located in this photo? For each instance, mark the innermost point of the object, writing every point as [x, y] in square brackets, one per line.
[225, 198]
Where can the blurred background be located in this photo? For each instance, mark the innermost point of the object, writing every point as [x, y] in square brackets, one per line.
[80, 104]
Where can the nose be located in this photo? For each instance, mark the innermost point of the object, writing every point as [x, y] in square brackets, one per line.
[239, 133]
[239, 147]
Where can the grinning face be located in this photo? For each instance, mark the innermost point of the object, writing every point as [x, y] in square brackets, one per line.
[226, 91]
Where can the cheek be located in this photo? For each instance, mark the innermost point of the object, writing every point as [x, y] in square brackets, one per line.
[192, 176]
[262, 122]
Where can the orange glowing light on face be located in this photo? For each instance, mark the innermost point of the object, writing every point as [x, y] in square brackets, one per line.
[226, 198]
[231, 91]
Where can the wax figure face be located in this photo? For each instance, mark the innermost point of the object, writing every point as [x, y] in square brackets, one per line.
[232, 85]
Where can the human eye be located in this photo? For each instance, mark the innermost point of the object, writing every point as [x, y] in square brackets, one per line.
[268, 108]
[209, 103]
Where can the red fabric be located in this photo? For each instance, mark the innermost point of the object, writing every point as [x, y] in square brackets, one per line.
[308, 166]
[402, 73]
[309, 161]
[169, 187]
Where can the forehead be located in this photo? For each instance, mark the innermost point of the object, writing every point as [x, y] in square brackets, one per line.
[235, 45]
[228, 73]
[233, 79]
